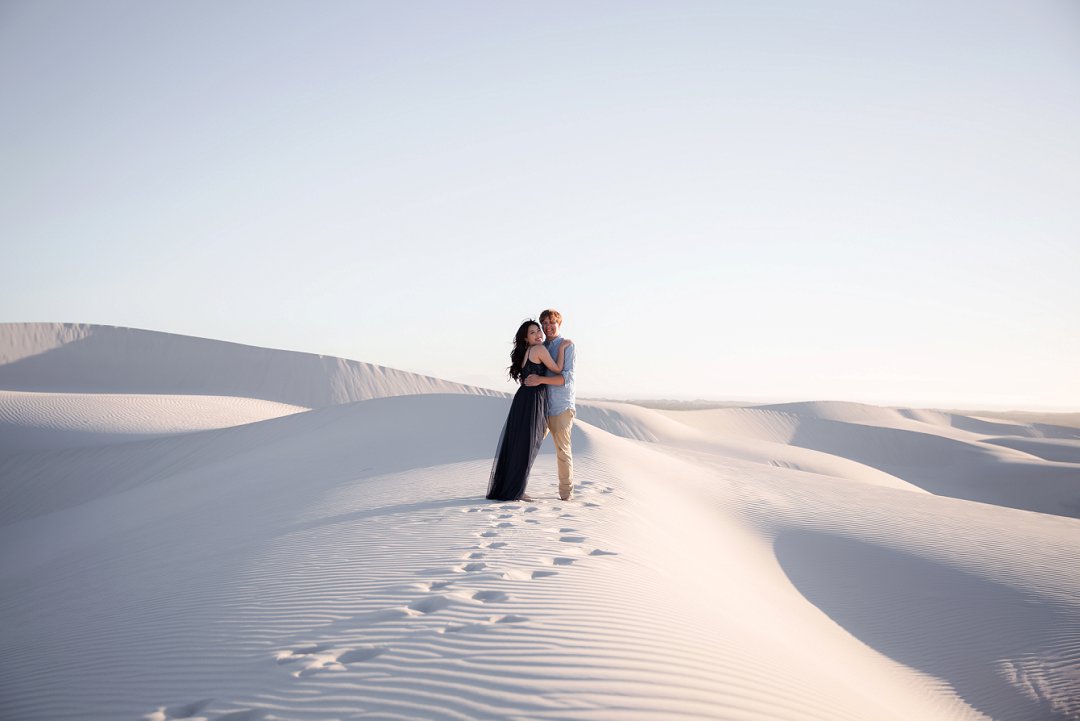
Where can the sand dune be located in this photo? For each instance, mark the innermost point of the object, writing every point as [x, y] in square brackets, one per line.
[1048, 449]
[203, 551]
[939, 452]
[68, 357]
[34, 421]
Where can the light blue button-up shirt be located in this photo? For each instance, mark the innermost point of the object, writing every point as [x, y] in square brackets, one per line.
[561, 398]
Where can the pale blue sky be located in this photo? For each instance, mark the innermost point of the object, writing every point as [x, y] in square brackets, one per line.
[869, 201]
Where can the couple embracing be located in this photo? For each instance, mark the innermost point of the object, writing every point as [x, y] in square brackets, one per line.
[542, 361]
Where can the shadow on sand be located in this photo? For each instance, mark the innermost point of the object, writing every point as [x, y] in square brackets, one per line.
[1010, 655]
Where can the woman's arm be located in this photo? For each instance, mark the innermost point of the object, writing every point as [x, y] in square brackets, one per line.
[538, 380]
[551, 365]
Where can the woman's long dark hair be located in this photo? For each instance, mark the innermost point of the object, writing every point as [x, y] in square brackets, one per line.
[521, 347]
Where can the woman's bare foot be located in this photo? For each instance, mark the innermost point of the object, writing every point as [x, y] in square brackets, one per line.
[527, 498]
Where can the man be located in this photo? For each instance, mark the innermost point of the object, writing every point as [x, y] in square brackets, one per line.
[560, 400]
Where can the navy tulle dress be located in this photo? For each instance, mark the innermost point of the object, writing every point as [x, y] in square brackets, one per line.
[520, 440]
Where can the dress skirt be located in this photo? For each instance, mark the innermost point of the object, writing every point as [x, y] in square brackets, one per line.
[518, 445]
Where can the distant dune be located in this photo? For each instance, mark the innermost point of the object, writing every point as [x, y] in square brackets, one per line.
[1036, 418]
[69, 357]
[1069, 420]
[193, 529]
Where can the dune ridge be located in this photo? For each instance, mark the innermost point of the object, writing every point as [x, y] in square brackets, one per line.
[81, 358]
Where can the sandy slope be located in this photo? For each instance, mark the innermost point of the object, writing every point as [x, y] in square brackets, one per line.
[340, 563]
[1009, 464]
[80, 358]
[34, 421]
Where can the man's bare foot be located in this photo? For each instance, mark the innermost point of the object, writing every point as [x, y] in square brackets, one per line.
[526, 497]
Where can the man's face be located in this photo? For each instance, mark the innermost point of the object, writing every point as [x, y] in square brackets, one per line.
[551, 327]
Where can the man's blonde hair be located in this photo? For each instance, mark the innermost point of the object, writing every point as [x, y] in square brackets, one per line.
[553, 314]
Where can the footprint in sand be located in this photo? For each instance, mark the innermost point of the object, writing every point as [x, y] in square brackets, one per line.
[484, 625]
[489, 534]
[544, 574]
[599, 552]
[511, 618]
[323, 657]
[290, 655]
[429, 586]
[491, 596]
[504, 524]
[195, 710]
[573, 539]
[474, 555]
[496, 544]
[430, 604]
[471, 567]
[179, 712]
[590, 504]
[532, 520]
[370, 618]
[359, 655]
[531, 509]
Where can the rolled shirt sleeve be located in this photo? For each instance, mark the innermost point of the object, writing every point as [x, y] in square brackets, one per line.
[561, 398]
[568, 367]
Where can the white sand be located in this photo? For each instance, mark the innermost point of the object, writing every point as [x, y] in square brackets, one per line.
[176, 545]
[32, 421]
[55, 357]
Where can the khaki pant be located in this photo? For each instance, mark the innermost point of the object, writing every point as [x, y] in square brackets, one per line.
[560, 427]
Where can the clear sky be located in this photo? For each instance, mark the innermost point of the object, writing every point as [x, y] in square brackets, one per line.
[765, 200]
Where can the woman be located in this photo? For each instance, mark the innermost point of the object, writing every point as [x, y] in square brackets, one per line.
[524, 430]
